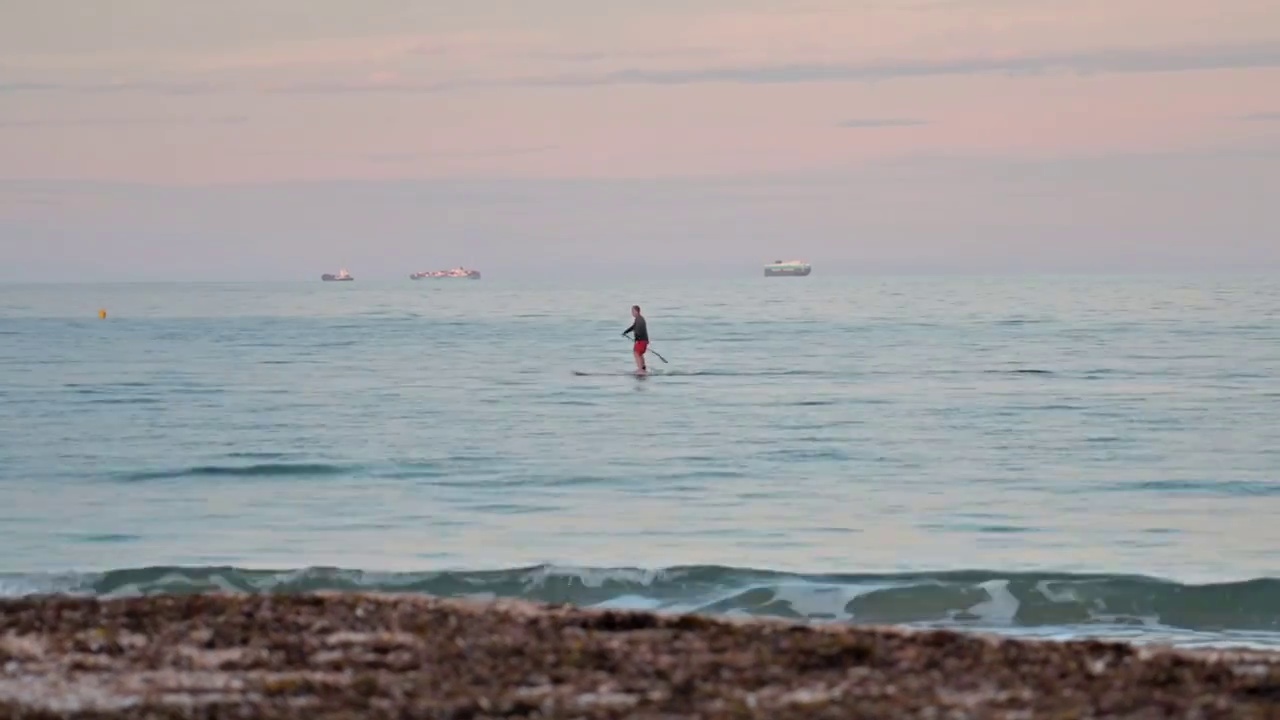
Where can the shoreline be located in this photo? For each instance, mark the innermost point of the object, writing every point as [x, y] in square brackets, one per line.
[331, 655]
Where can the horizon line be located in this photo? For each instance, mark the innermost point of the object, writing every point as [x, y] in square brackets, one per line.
[1248, 271]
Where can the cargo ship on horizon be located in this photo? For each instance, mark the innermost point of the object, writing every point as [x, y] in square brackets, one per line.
[790, 268]
[342, 276]
[458, 272]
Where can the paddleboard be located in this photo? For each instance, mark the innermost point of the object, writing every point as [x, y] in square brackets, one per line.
[633, 373]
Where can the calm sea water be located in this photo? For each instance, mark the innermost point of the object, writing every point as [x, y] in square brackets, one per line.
[1053, 456]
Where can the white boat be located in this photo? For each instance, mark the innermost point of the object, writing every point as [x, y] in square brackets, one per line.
[790, 268]
[458, 272]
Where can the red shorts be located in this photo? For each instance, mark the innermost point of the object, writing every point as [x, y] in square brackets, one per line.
[641, 346]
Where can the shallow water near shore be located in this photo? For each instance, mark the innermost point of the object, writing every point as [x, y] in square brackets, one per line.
[1059, 457]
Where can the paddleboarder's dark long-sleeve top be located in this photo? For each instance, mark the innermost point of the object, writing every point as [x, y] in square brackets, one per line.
[639, 328]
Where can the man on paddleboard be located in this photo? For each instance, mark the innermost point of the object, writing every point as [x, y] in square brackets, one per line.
[642, 337]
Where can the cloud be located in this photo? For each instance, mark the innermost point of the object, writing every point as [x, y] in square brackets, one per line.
[1101, 62]
[367, 87]
[124, 121]
[587, 56]
[882, 122]
[394, 157]
[148, 87]
[1262, 117]
[398, 157]
[19, 87]
[1121, 61]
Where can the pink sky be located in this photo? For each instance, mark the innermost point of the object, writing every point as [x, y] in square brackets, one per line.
[196, 97]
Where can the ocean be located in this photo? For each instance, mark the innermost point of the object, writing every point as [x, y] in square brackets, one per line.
[1056, 457]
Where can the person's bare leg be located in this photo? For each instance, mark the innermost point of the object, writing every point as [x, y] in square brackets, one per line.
[639, 362]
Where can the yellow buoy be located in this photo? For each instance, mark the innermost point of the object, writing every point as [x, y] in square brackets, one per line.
[102, 314]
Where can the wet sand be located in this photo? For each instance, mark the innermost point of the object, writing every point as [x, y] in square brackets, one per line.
[380, 656]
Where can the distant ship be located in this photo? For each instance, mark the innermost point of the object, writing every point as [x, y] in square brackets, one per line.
[790, 268]
[458, 272]
[342, 276]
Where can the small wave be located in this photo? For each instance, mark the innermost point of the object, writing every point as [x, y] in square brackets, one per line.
[1015, 322]
[258, 470]
[978, 598]
[812, 403]
[1023, 371]
[104, 537]
[1229, 488]
[127, 401]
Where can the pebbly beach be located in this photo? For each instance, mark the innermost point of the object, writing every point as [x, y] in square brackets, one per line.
[356, 655]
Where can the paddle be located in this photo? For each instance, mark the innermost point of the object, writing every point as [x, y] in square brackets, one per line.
[655, 352]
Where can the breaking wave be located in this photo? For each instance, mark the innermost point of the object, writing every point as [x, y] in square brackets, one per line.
[1066, 604]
